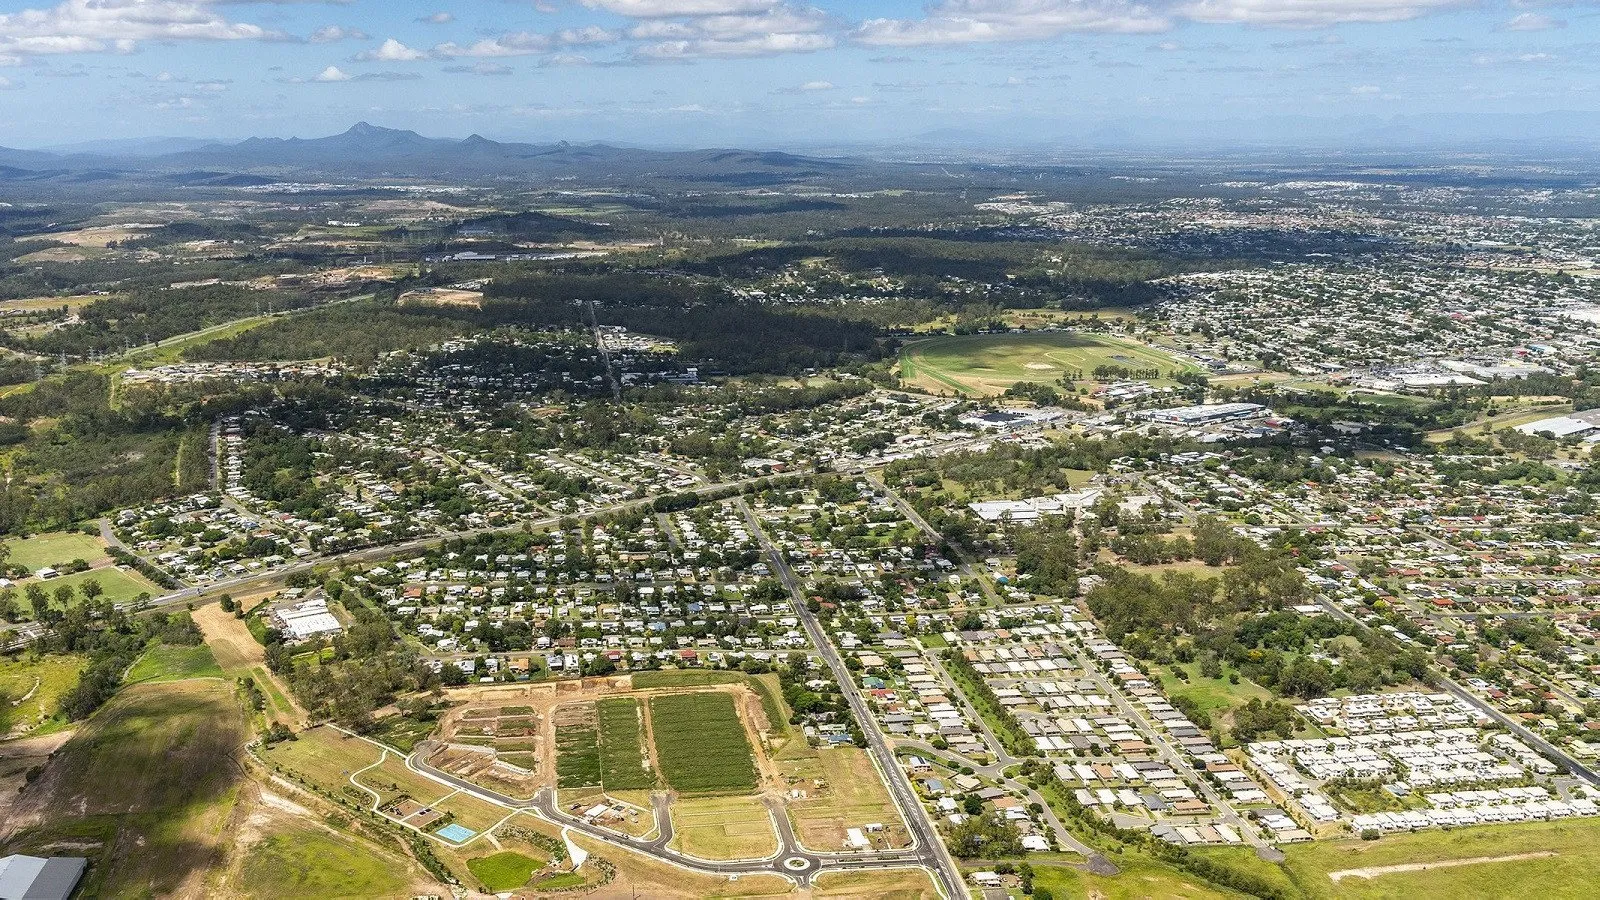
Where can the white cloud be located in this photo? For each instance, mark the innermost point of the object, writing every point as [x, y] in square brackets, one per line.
[518, 43]
[95, 26]
[659, 9]
[589, 34]
[1532, 22]
[817, 86]
[1366, 90]
[1313, 13]
[7, 84]
[330, 34]
[332, 74]
[981, 21]
[760, 45]
[438, 18]
[984, 21]
[482, 68]
[775, 28]
[392, 51]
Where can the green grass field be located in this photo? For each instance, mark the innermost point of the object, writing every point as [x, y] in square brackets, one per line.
[310, 862]
[57, 547]
[505, 871]
[43, 683]
[145, 788]
[622, 759]
[986, 364]
[323, 756]
[702, 744]
[164, 663]
[1140, 879]
[117, 585]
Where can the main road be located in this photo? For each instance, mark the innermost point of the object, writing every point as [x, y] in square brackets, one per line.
[928, 846]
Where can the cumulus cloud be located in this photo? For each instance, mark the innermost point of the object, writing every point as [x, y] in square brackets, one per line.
[438, 18]
[517, 43]
[773, 29]
[590, 34]
[332, 74]
[331, 34]
[392, 50]
[93, 26]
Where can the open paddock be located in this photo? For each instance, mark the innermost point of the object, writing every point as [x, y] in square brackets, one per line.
[724, 828]
[323, 756]
[985, 365]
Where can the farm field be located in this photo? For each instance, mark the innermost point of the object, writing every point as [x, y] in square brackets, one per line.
[701, 743]
[42, 683]
[723, 828]
[623, 765]
[577, 746]
[144, 788]
[166, 663]
[986, 364]
[54, 548]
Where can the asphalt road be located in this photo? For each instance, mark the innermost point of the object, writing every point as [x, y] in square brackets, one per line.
[790, 861]
[927, 845]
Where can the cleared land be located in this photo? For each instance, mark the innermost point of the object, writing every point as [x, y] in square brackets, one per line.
[323, 756]
[904, 884]
[851, 796]
[724, 828]
[167, 663]
[144, 788]
[1138, 880]
[986, 364]
[304, 861]
[701, 743]
[30, 691]
[1489, 861]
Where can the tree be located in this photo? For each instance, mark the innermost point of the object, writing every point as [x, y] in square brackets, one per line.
[91, 588]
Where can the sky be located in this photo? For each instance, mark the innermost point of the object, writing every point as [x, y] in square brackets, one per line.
[762, 73]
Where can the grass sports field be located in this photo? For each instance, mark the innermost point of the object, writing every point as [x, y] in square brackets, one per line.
[986, 364]
[55, 548]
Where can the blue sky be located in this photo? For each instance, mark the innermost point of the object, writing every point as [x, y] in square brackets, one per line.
[777, 72]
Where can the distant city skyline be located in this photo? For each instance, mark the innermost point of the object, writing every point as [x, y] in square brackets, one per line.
[1023, 73]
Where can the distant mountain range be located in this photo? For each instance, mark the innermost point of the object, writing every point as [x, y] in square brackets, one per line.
[368, 151]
